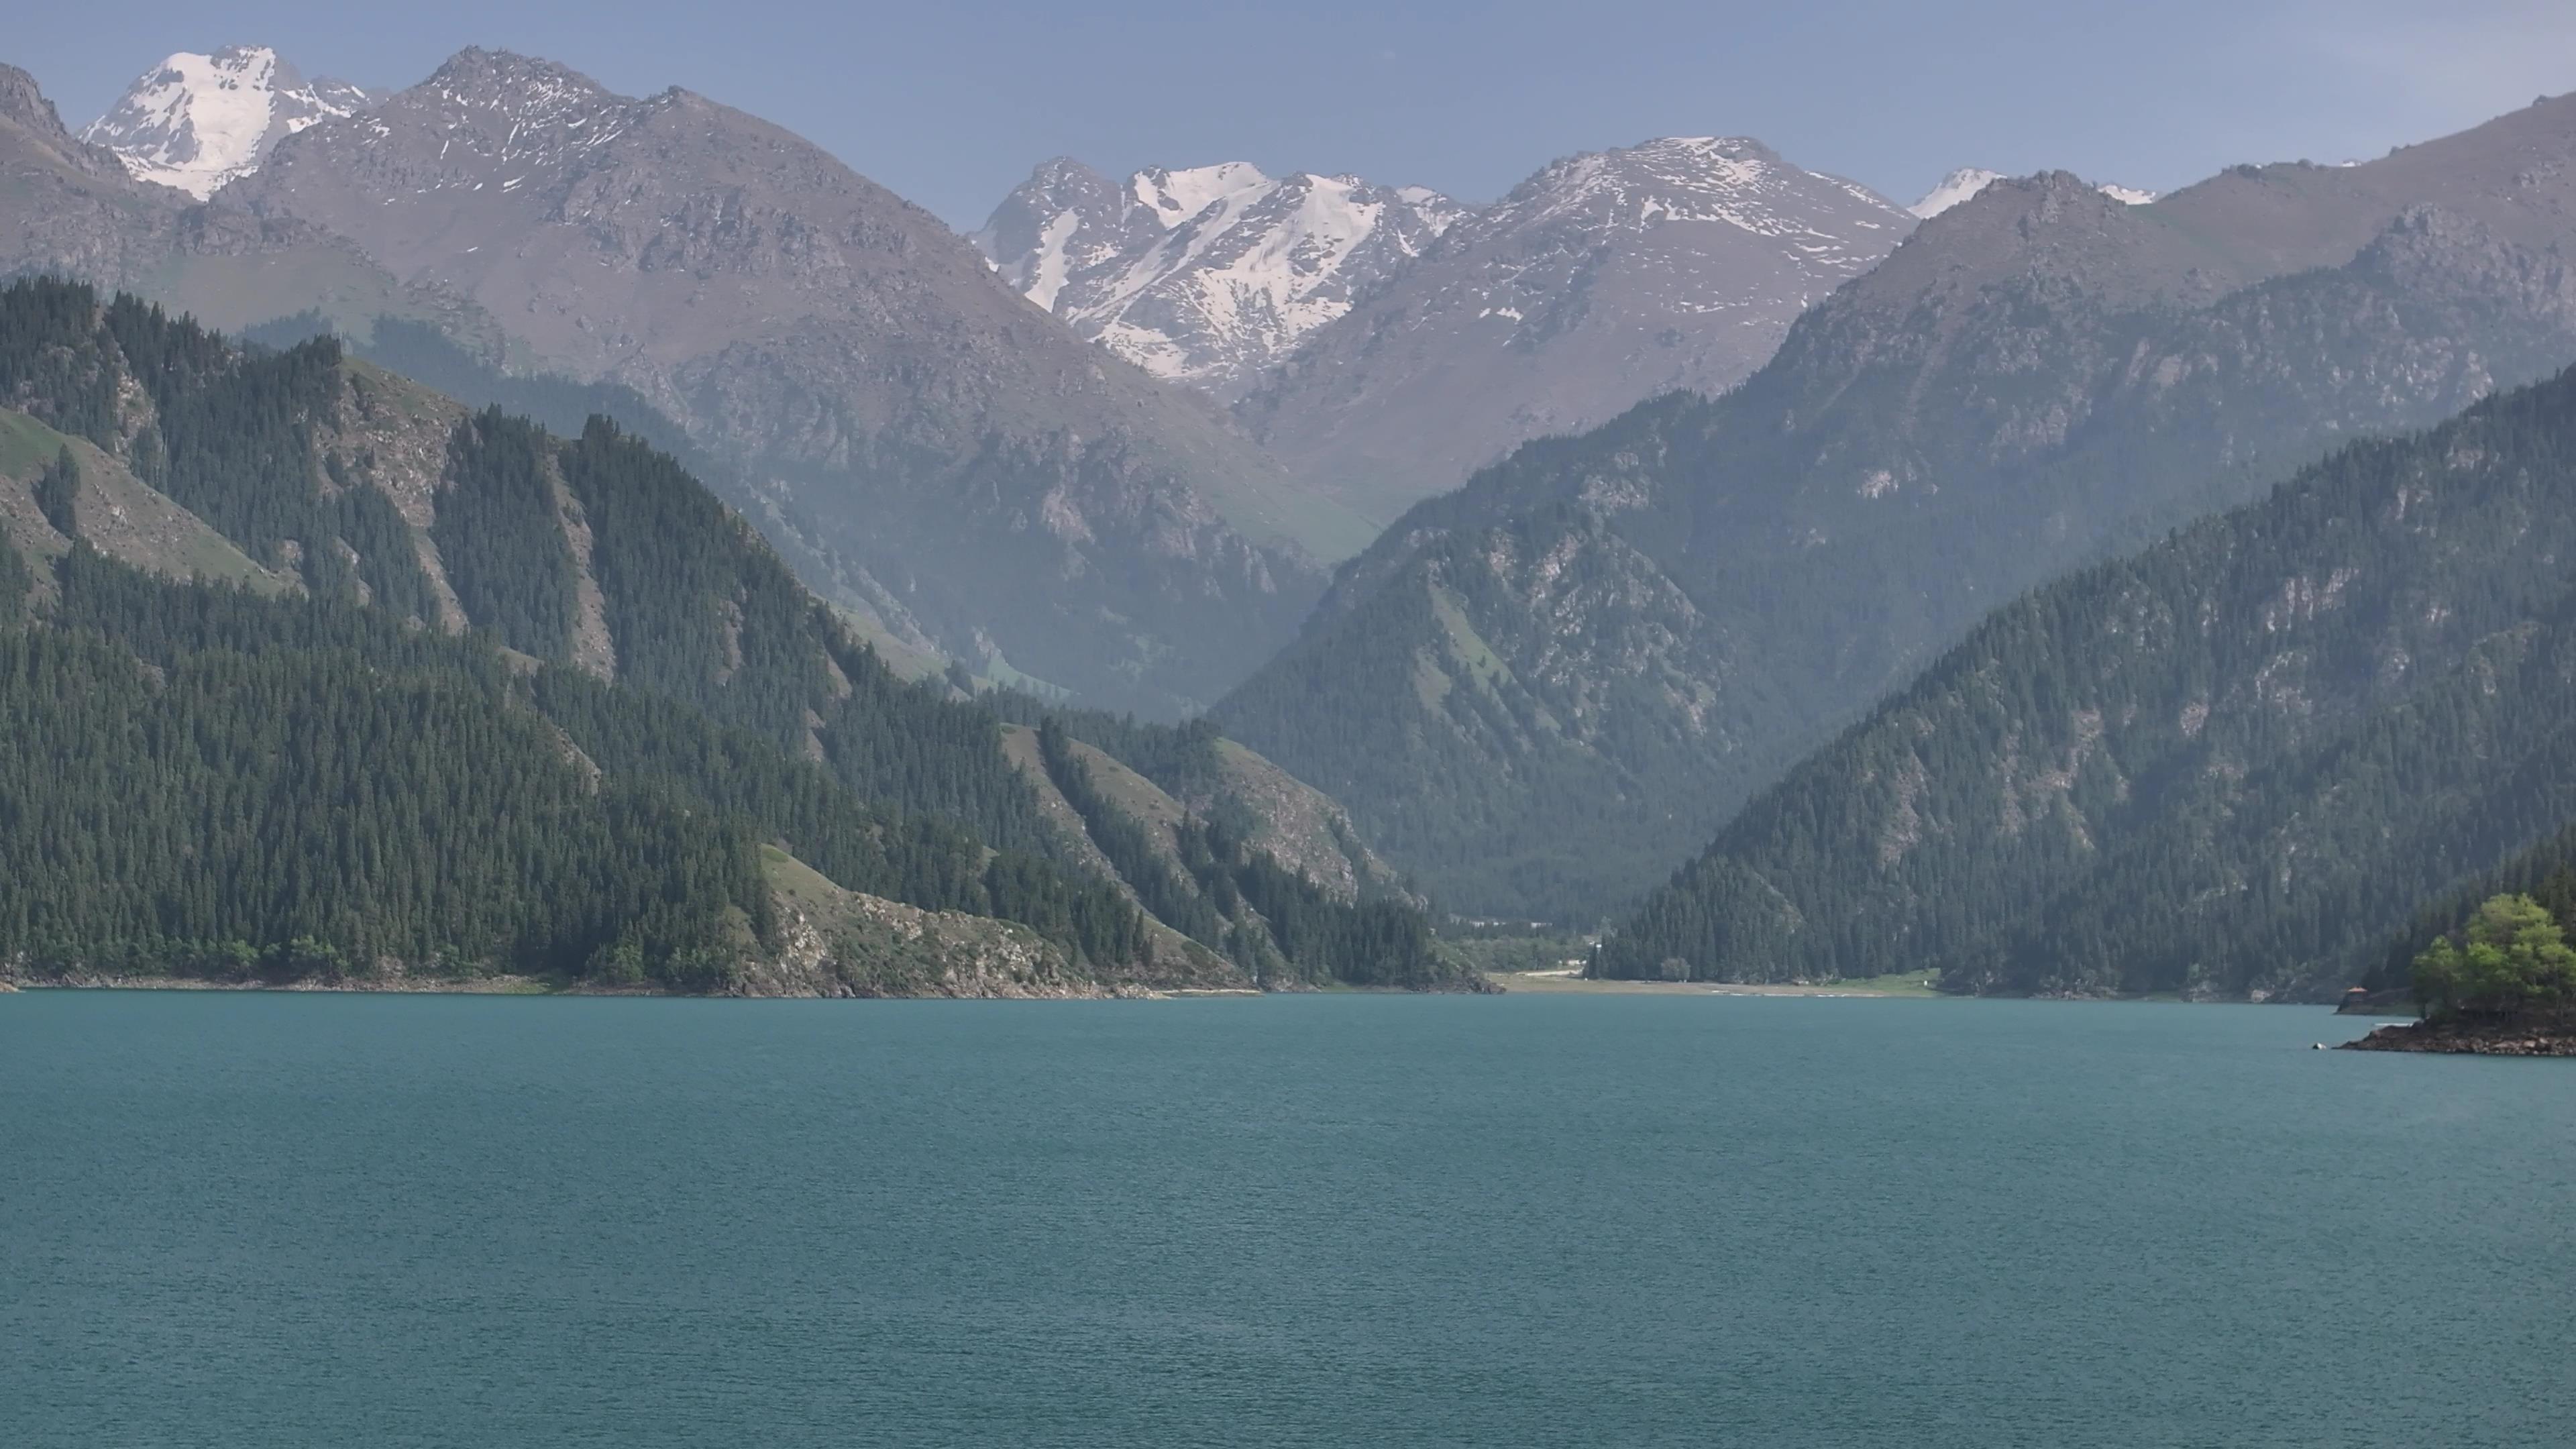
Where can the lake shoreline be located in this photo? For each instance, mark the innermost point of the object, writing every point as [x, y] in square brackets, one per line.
[2555, 1038]
[1566, 983]
[514, 985]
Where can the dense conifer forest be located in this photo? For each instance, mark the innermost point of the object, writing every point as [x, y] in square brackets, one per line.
[1211, 886]
[2230, 763]
[207, 780]
[2545, 873]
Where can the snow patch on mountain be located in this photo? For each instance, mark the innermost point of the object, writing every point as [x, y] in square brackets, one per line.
[1967, 181]
[194, 121]
[1177, 196]
[1733, 180]
[1604, 279]
[1205, 275]
[1954, 188]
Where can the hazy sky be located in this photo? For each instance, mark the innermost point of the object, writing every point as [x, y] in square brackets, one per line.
[952, 103]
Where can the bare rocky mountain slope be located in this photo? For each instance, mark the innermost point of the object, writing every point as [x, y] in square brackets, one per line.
[1387, 341]
[1604, 280]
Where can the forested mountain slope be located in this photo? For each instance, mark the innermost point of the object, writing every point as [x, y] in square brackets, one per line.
[2036, 378]
[2546, 872]
[1024, 494]
[443, 586]
[2227, 765]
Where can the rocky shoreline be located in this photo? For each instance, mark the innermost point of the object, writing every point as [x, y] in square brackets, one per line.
[2555, 1038]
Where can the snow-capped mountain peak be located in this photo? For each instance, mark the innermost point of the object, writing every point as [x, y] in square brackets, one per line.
[1967, 181]
[1954, 188]
[1204, 274]
[1603, 279]
[197, 121]
[1732, 180]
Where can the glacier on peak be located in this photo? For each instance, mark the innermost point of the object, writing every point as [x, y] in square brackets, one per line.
[1210, 275]
[1204, 274]
[196, 121]
[1177, 196]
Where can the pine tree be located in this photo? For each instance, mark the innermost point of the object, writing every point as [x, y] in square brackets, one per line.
[55, 490]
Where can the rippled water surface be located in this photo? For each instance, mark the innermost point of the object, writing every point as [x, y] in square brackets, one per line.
[244, 1220]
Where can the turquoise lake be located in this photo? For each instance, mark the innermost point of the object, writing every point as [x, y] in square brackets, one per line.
[261, 1220]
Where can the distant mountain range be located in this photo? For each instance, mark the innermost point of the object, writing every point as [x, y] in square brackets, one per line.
[1385, 342]
[966, 475]
[1592, 655]
[1743, 447]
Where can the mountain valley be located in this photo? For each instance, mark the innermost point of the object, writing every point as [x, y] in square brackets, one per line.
[1536, 542]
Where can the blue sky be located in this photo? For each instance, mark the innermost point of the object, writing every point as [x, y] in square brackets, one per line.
[952, 103]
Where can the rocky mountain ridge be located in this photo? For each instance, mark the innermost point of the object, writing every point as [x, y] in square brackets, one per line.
[1605, 279]
[75, 211]
[2038, 377]
[1967, 181]
[1387, 341]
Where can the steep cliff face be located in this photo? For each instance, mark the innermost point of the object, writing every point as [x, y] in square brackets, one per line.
[2039, 376]
[1021, 493]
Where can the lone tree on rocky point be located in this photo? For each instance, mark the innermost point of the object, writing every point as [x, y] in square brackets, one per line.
[2515, 961]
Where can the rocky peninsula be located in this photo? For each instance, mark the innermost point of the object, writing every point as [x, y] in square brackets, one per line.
[2494, 1037]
